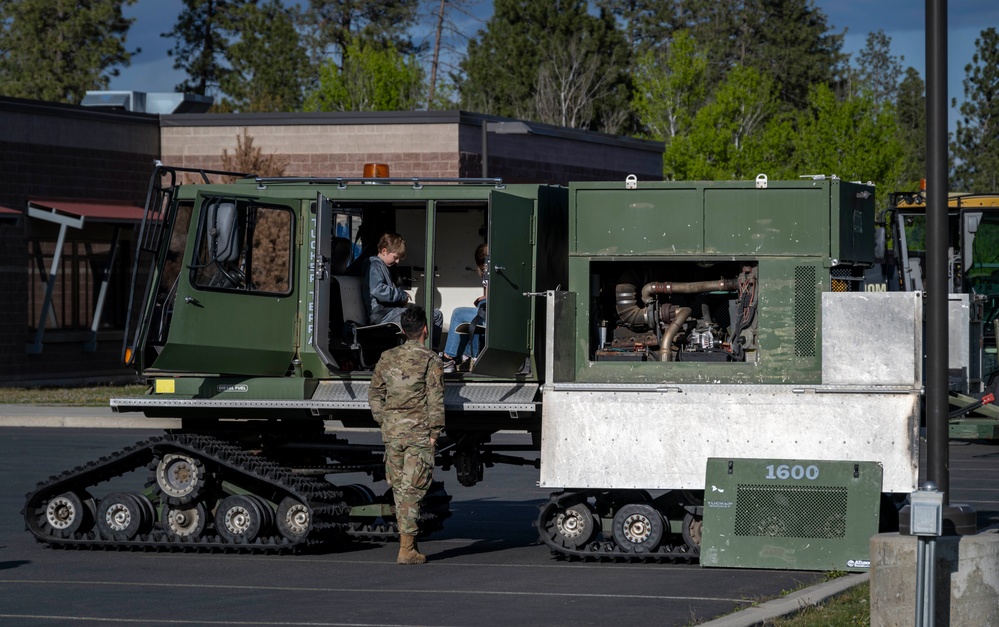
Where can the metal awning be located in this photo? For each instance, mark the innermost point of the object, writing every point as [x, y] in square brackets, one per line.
[75, 213]
[8, 215]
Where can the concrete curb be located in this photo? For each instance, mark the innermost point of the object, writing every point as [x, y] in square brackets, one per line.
[78, 417]
[789, 604]
[77, 422]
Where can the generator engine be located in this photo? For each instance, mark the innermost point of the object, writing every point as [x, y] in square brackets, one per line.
[658, 322]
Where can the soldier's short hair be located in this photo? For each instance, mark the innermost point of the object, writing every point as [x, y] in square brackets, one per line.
[394, 243]
[413, 320]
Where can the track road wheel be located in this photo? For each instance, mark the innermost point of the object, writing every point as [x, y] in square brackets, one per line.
[180, 477]
[570, 527]
[294, 519]
[121, 516]
[638, 528]
[691, 530]
[185, 521]
[68, 513]
[266, 514]
[575, 526]
[238, 519]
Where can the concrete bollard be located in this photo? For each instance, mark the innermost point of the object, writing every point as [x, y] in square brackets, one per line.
[967, 580]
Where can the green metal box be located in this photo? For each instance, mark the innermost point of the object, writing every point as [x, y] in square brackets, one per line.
[790, 514]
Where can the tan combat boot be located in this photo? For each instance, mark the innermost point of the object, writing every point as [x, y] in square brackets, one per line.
[408, 553]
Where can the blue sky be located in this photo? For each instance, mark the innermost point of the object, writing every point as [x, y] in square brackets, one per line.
[902, 20]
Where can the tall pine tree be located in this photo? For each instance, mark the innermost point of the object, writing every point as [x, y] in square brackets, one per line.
[269, 64]
[331, 26]
[57, 50]
[976, 141]
[521, 63]
[200, 43]
[910, 105]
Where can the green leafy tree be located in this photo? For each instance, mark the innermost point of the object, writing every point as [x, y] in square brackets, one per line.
[371, 79]
[269, 65]
[976, 142]
[201, 43]
[911, 114]
[57, 50]
[331, 26]
[670, 88]
[728, 139]
[730, 133]
[521, 63]
[855, 139]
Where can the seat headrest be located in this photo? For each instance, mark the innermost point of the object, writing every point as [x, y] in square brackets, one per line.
[340, 255]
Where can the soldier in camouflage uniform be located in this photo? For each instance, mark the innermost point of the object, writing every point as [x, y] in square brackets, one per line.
[407, 401]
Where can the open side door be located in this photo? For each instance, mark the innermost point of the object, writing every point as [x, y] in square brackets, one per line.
[510, 273]
[321, 255]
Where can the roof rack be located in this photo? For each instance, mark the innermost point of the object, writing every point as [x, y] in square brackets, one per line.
[341, 181]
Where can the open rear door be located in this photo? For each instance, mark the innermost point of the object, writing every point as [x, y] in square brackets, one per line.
[508, 313]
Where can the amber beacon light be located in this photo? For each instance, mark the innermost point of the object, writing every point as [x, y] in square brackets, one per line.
[376, 170]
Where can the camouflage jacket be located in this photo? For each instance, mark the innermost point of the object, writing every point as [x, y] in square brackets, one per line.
[407, 393]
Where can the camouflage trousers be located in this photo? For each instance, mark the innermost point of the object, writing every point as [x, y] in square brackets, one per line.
[409, 469]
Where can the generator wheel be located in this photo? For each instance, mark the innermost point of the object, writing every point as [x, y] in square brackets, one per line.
[638, 528]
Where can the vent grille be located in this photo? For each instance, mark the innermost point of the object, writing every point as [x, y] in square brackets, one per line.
[790, 511]
[804, 311]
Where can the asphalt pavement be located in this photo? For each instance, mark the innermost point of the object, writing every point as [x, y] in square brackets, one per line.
[485, 568]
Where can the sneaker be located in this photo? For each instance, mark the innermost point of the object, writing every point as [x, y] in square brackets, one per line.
[448, 363]
[465, 365]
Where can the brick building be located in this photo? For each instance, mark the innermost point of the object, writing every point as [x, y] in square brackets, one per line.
[79, 175]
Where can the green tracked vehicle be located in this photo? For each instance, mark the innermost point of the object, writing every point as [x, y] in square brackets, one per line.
[634, 330]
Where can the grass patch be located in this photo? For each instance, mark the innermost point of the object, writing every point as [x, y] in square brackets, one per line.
[851, 608]
[93, 396]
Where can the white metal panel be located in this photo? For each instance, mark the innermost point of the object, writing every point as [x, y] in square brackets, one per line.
[872, 338]
[653, 439]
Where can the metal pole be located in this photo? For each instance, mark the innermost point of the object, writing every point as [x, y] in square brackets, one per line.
[936, 247]
[929, 617]
[36, 347]
[920, 580]
[485, 149]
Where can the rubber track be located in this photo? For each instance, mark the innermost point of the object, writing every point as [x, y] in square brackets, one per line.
[328, 511]
[608, 550]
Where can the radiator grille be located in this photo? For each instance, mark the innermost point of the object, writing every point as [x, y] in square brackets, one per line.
[790, 511]
[804, 311]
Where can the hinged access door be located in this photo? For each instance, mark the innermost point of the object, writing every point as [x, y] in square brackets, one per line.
[510, 274]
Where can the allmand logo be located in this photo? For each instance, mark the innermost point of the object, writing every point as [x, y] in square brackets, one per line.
[233, 388]
[858, 563]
